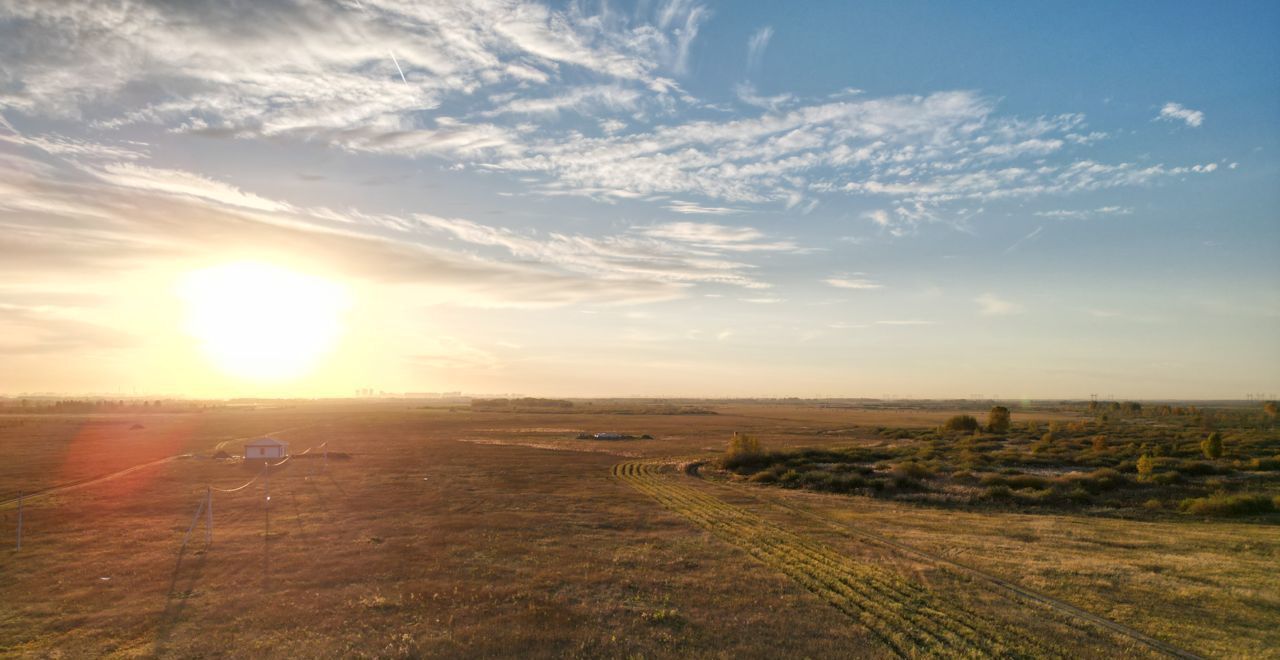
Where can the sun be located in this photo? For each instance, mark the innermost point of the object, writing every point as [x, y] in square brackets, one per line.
[262, 322]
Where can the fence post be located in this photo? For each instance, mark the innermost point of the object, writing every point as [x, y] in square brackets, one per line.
[19, 520]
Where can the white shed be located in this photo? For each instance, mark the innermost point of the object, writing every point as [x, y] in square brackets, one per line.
[266, 448]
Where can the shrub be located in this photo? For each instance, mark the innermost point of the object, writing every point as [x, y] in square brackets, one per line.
[1212, 446]
[1153, 504]
[1195, 468]
[913, 469]
[1146, 467]
[966, 423]
[998, 420]
[1271, 463]
[743, 451]
[1098, 481]
[1223, 504]
[1099, 443]
[998, 492]
[1015, 481]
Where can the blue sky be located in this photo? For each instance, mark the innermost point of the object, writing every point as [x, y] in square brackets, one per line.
[670, 198]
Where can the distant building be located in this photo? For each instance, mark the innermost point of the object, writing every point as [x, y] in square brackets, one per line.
[266, 448]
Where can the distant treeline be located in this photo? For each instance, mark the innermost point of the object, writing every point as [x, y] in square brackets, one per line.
[83, 406]
[524, 403]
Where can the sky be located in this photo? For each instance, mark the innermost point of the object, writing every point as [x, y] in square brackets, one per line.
[679, 198]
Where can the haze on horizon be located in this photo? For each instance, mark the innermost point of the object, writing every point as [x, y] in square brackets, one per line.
[674, 198]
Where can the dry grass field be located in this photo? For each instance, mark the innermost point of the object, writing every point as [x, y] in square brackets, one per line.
[437, 531]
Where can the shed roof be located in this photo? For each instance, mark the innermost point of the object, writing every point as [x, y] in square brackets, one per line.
[267, 441]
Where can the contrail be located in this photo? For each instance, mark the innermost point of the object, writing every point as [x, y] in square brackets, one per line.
[364, 11]
[397, 62]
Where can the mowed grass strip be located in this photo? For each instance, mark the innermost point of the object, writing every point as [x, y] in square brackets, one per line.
[910, 620]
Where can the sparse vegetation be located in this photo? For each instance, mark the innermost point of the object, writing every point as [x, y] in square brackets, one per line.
[1059, 465]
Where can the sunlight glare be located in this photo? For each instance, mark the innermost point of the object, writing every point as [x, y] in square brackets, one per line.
[262, 322]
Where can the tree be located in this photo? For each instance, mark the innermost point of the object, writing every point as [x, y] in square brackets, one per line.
[1212, 445]
[743, 446]
[1146, 467]
[998, 420]
[961, 423]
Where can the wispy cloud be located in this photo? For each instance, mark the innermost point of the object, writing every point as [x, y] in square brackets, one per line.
[850, 282]
[992, 305]
[757, 44]
[1177, 112]
[1086, 213]
[720, 237]
[691, 208]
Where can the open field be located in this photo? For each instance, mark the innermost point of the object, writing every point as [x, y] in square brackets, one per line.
[447, 532]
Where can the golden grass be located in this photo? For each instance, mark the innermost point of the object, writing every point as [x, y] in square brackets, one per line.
[421, 545]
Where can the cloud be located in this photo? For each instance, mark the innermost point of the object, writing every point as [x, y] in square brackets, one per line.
[690, 208]
[1176, 112]
[64, 222]
[757, 44]
[177, 182]
[857, 283]
[991, 305]
[719, 237]
[678, 253]
[1075, 214]
[746, 93]
[256, 70]
[44, 329]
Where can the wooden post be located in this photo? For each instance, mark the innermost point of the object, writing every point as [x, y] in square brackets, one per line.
[208, 505]
[19, 520]
[194, 519]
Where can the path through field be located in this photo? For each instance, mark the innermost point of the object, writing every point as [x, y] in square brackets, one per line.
[910, 619]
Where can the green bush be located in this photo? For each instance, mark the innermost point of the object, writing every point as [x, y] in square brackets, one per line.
[1212, 446]
[913, 469]
[1015, 481]
[1224, 504]
[998, 420]
[966, 423]
[997, 492]
[1270, 464]
[1146, 467]
[744, 451]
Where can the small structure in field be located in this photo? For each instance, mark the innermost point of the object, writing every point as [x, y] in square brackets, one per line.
[266, 448]
[610, 436]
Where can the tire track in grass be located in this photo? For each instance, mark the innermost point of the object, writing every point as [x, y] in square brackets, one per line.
[911, 620]
[1067, 611]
